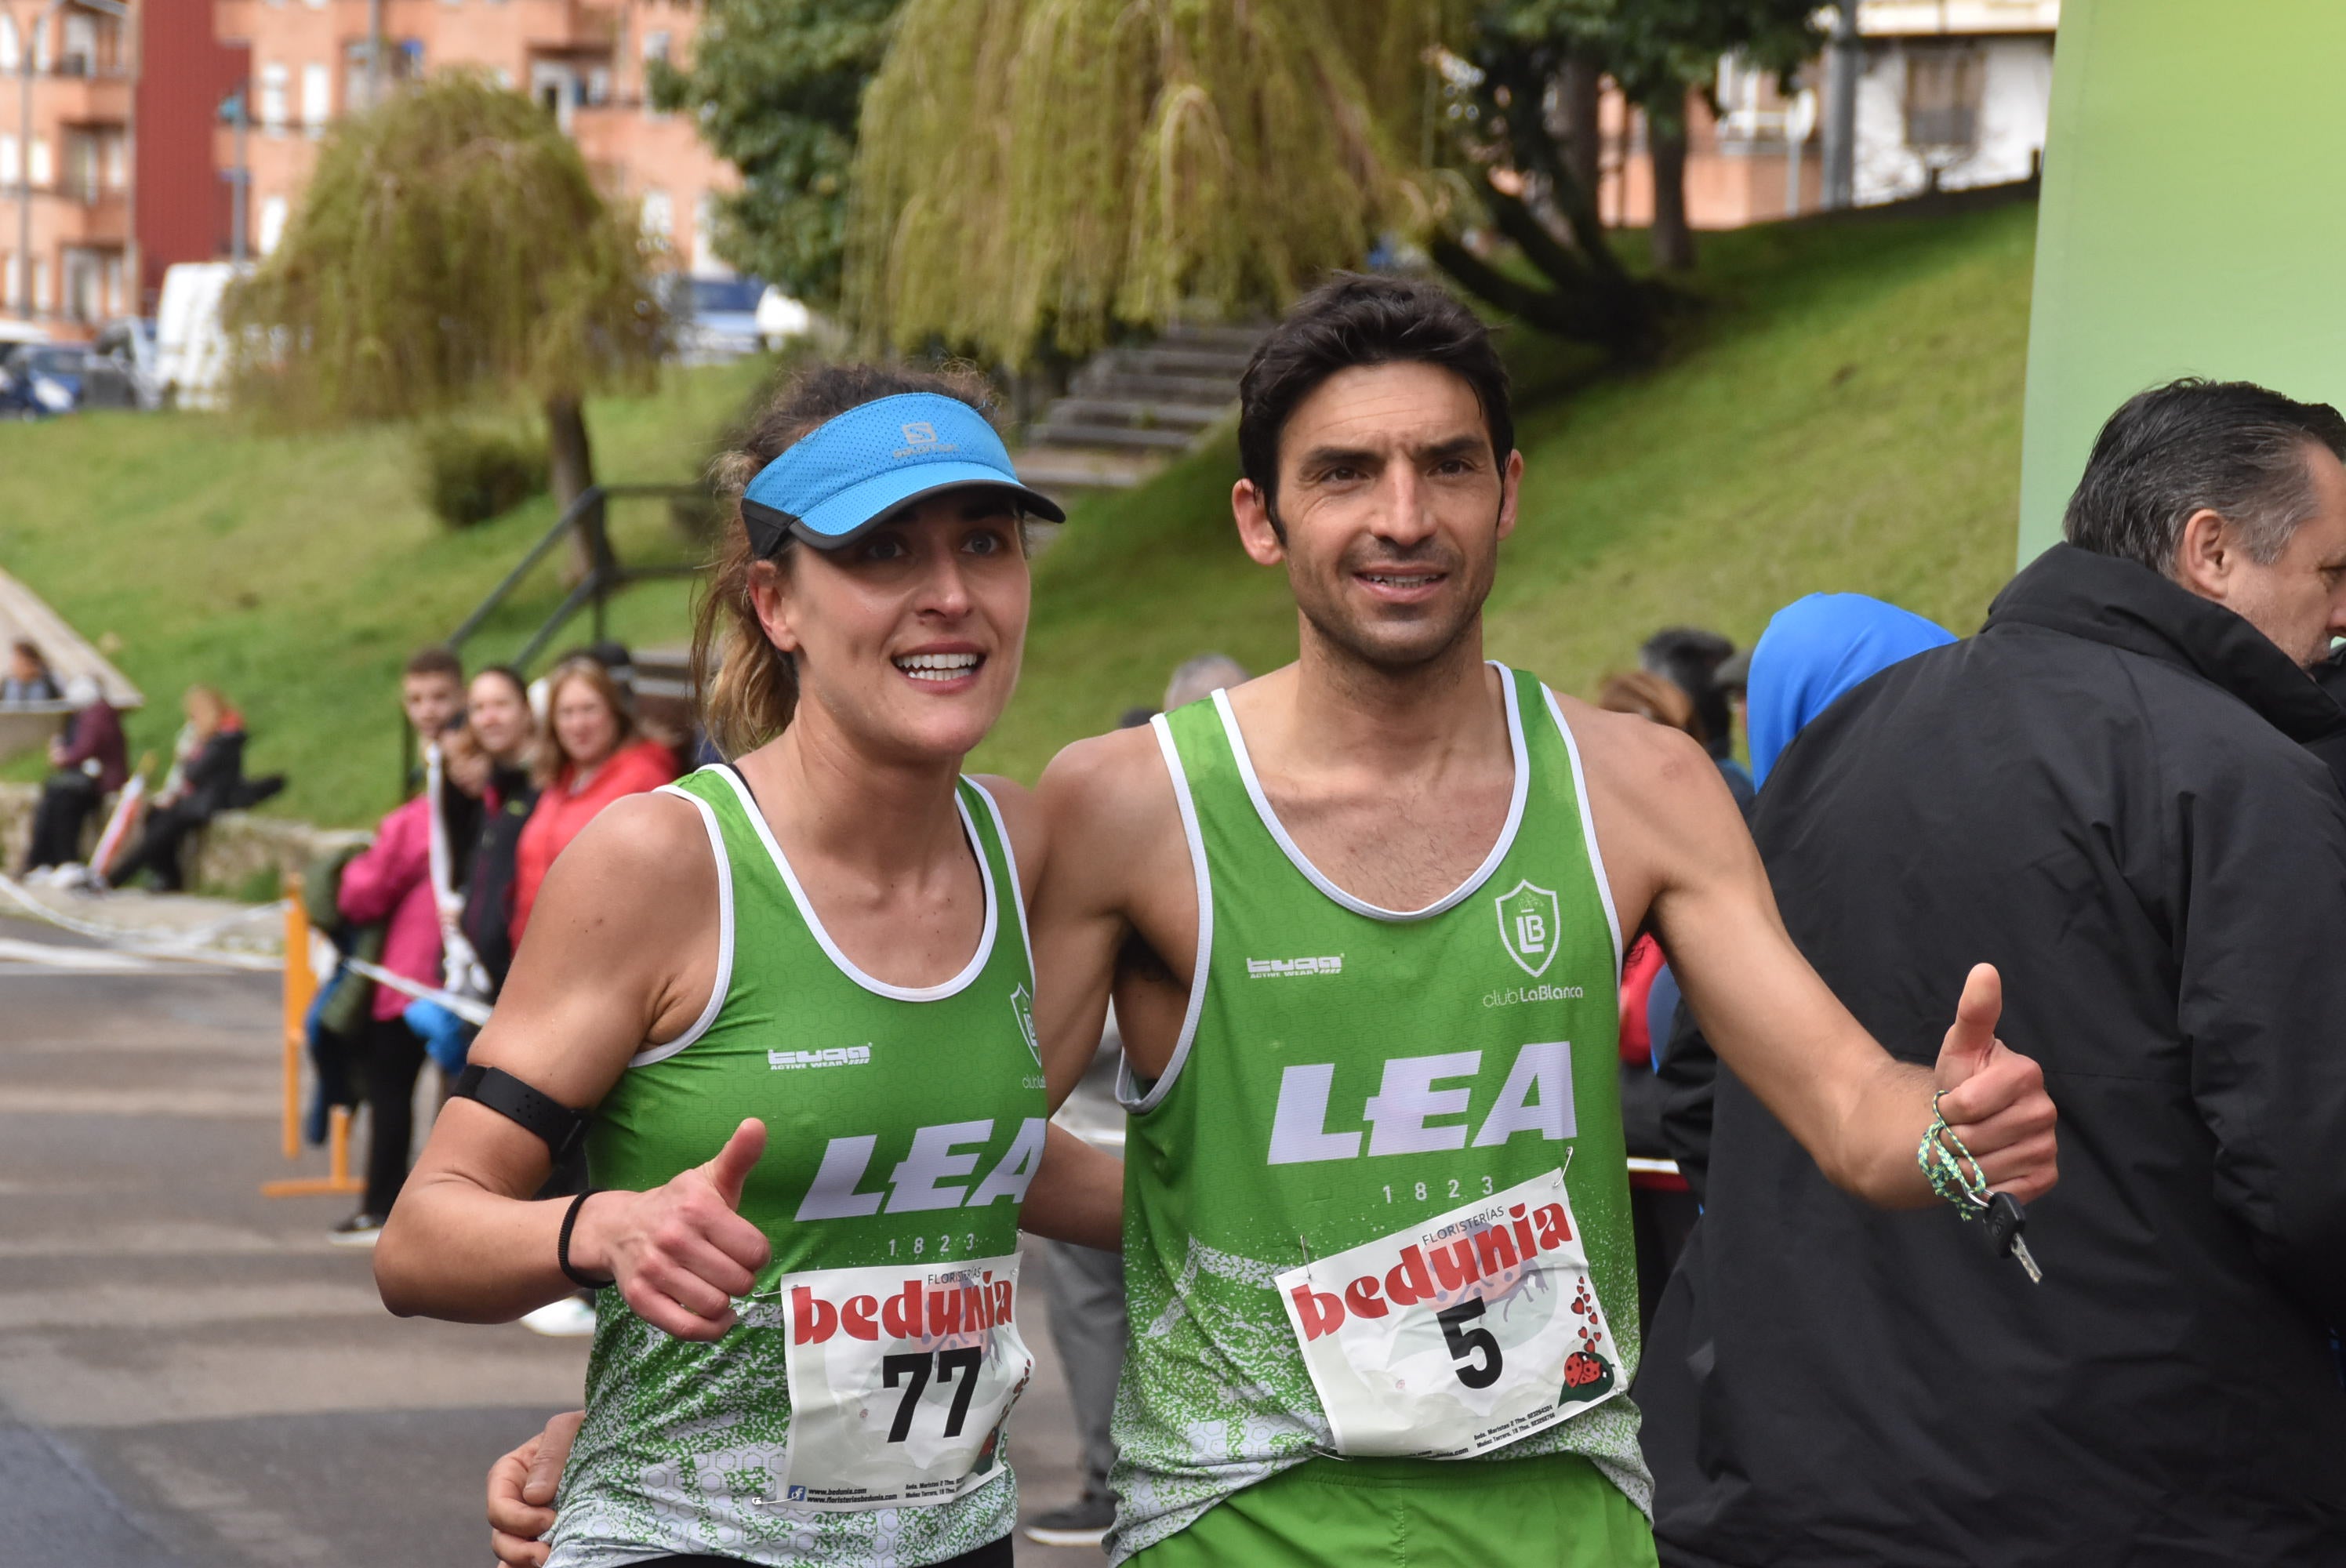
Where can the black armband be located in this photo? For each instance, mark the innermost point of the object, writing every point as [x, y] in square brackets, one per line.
[509, 1097]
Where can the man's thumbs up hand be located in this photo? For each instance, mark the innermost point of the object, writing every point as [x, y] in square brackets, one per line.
[681, 1253]
[1993, 1098]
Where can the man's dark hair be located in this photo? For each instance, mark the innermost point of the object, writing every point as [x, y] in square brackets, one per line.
[435, 660]
[1689, 657]
[1353, 319]
[2234, 448]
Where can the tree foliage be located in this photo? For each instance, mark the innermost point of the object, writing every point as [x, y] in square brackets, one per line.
[1036, 176]
[776, 87]
[451, 247]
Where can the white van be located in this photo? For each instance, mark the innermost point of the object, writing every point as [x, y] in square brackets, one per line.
[191, 351]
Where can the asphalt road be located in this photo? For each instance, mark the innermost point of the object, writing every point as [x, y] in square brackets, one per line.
[189, 1376]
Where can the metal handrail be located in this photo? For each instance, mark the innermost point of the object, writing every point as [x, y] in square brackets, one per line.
[606, 574]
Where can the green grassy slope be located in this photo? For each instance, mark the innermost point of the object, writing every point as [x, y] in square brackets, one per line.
[1845, 415]
[296, 576]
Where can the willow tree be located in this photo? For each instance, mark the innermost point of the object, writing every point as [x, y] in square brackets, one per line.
[1034, 176]
[451, 250]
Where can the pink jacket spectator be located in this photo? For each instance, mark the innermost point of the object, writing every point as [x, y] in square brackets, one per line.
[560, 815]
[392, 880]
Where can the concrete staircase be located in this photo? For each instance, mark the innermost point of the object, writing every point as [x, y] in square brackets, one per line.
[1130, 410]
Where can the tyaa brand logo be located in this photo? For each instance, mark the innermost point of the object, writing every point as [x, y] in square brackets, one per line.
[1528, 925]
[1281, 968]
[837, 1056]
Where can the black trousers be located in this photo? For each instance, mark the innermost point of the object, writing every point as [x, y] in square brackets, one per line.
[67, 801]
[395, 1057]
[992, 1554]
[157, 849]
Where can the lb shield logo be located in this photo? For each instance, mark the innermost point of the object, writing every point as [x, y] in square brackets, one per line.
[1022, 1003]
[1528, 926]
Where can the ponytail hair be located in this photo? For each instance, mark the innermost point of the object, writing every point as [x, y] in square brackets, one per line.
[748, 687]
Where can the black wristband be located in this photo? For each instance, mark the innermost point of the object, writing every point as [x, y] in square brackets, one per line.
[562, 1247]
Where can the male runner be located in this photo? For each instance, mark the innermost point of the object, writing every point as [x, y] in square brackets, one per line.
[1362, 920]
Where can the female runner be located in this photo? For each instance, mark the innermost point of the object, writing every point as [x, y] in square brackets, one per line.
[805, 1348]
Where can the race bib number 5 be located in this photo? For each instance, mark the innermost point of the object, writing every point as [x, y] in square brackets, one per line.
[899, 1381]
[1460, 1334]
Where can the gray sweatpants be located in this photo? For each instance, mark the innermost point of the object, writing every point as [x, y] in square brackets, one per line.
[1085, 1289]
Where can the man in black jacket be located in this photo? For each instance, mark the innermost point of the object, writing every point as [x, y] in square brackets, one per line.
[2121, 793]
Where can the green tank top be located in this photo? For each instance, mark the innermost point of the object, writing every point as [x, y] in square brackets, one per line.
[903, 1127]
[1349, 1077]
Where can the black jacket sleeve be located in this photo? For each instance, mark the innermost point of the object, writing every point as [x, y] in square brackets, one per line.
[2261, 1001]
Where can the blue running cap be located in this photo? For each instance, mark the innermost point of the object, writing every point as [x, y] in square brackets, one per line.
[854, 471]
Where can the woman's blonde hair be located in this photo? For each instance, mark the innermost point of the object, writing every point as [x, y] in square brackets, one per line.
[552, 758]
[748, 687]
[207, 710]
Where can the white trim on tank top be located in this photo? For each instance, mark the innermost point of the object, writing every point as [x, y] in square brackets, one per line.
[1588, 828]
[1017, 891]
[845, 965]
[1458, 895]
[724, 982]
[1127, 1085]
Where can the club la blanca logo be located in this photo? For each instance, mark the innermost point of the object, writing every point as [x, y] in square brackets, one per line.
[1528, 926]
[1023, 1004]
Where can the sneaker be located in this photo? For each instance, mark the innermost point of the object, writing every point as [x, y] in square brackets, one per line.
[1081, 1523]
[571, 1318]
[359, 1230]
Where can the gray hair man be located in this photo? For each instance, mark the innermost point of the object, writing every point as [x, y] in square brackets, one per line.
[2116, 793]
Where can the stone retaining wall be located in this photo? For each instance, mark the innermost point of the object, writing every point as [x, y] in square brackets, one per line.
[226, 854]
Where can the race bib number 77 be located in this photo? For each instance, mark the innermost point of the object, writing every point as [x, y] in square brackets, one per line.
[899, 1381]
[1460, 1334]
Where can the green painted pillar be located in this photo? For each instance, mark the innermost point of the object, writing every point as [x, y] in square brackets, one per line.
[2192, 222]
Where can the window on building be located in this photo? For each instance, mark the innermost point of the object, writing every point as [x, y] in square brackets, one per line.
[117, 162]
[9, 153]
[272, 223]
[12, 48]
[317, 96]
[659, 214]
[81, 181]
[42, 301]
[12, 281]
[273, 110]
[656, 44]
[79, 57]
[43, 172]
[1943, 87]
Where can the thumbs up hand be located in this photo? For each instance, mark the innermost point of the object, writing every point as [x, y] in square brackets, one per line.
[681, 1252]
[1993, 1098]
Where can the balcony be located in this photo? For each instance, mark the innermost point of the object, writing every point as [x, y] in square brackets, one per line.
[93, 220]
[82, 97]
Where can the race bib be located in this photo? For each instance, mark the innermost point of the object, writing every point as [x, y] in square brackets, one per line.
[1459, 1334]
[899, 1381]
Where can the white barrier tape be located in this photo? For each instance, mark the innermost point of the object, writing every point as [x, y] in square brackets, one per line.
[472, 1010]
[188, 947]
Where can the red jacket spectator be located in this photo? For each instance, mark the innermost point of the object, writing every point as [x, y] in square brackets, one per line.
[562, 812]
[392, 881]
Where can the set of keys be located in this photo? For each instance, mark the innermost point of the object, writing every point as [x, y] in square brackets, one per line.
[2006, 1221]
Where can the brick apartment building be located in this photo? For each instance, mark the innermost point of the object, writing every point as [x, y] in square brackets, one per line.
[117, 171]
[584, 59]
[1951, 93]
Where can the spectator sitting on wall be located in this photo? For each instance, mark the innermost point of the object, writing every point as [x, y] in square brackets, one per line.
[28, 681]
[207, 768]
[91, 763]
[592, 756]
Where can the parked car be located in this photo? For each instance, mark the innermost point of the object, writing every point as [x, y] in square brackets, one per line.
[39, 380]
[128, 348]
[782, 319]
[715, 318]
